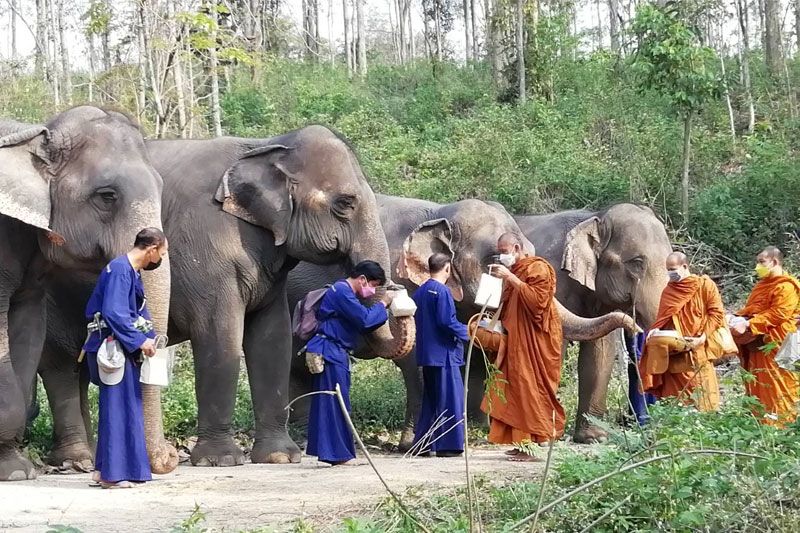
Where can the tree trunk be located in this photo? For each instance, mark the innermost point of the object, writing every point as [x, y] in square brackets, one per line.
[40, 61]
[13, 16]
[438, 14]
[66, 77]
[474, 26]
[412, 51]
[520, 25]
[400, 5]
[213, 64]
[104, 40]
[393, 12]
[54, 47]
[92, 66]
[362, 44]
[727, 99]
[330, 33]
[772, 37]
[613, 15]
[797, 25]
[348, 50]
[744, 28]
[599, 26]
[467, 38]
[687, 140]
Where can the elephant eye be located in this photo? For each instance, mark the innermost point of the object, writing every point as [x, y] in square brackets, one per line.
[106, 195]
[344, 205]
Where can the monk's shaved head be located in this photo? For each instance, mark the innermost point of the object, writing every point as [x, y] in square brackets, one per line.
[509, 239]
[771, 253]
[677, 260]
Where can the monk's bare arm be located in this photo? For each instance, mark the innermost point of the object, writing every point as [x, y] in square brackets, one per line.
[781, 309]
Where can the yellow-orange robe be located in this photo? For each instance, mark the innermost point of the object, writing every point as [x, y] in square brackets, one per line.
[530, 365]
[772, 309]
[696, 305]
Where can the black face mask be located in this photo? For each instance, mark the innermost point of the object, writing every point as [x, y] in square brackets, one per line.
[153, 266]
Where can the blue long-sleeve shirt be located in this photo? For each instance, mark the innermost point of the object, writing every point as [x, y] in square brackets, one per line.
[342, 318]
[119, 298]
[440, 336]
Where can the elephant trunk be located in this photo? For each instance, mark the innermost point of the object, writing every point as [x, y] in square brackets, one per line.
[577, 328]
[395, 339]
[163, 456]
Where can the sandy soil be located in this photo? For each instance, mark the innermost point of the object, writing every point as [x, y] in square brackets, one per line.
[243, 497]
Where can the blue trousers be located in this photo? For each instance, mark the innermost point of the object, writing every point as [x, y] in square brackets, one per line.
[121, 453]
[442, 400]
[329, 437]
[639, 401]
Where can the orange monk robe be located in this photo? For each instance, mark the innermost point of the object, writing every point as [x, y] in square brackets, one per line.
[531, 364]
[772, 308]
[696, 304]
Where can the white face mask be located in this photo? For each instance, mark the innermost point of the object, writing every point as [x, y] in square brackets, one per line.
[508, 260]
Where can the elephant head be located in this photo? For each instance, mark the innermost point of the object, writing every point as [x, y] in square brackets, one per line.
[85, 180]
[468, 232]
[619, 254]
[307, 188]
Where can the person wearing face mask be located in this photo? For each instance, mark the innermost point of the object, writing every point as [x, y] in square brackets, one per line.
[522, 403]
[765, 321]
[342, 319]
[440, 353]
[678, 359]
[118, 308]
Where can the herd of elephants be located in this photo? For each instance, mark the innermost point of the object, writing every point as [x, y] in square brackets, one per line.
[253, 225]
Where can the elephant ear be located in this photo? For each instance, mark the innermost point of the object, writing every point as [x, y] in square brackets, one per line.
[24, 190]
[257, 189]
[581, 251]
[430, 237]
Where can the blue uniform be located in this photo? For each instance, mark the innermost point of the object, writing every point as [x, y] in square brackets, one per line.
[342, 319]
[440, 353]
[119, 298]
[638, 401]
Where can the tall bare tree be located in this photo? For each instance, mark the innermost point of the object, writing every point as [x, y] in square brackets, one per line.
[520, 49]
[361, 41]
[13, 27]
[66, 76]
[797, 24]
[467, 35]
[213, 66]
[40, 58]
[474, 26]
[772, 37]
[348, 37]
[613, 27]
[743, 15]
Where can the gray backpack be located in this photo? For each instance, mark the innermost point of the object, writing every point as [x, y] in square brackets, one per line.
[304, 318]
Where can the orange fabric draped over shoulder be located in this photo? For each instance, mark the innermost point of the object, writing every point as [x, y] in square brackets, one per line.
[696, 304]
[522, 403]
[772, 309]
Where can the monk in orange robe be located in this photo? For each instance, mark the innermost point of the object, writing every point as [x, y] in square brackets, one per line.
[522, 404]
[680, 362]
[771, 314]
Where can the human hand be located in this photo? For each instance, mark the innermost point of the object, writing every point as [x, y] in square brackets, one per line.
[148, 348]
[502, 272]
[697, 342]
[388, 297]
[741, 327]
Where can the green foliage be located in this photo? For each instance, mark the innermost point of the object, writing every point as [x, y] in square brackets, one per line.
[670, 59]
[377, 396]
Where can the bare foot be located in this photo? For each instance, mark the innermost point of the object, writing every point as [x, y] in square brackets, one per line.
[351, 462]
[523, 457]
[117, 485]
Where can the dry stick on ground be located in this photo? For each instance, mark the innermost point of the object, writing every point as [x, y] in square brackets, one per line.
[470, 493]
[546, 473]
[338, 394]
[613, 473]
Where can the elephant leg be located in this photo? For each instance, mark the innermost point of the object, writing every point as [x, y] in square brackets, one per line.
[217, 349]
[267, 348]
[62, 382]
[412, 377]
[595, 363]
[22, 331]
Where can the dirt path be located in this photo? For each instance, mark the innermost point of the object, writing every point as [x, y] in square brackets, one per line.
[243, 497]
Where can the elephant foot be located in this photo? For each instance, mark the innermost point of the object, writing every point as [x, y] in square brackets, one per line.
[589, 435]
[406, 440]
[163, 457]
[217, 452]
[15, 467]
[276, 449]
[76, 456]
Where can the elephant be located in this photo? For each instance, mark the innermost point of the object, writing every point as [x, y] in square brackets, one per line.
[239, 215]
[467, 231]
[605, 260]
[73, 194]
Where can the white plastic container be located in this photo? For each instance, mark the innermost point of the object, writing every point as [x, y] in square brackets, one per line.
[490, 289]
[403, 305]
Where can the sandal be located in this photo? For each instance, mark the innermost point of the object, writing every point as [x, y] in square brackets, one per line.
[512, 452]
[525, 458]
[118, 485]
